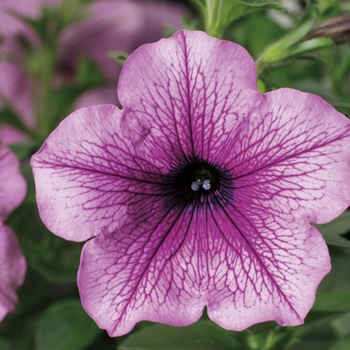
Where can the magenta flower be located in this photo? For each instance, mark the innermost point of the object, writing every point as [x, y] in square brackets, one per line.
[198, 192]
[12, 261]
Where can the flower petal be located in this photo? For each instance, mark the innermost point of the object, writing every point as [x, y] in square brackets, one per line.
[142, 272]
[193, 92]
[12, 185]
[262, 268]
[13, 268]
[166, 266]
[291, 157]
[88, 172]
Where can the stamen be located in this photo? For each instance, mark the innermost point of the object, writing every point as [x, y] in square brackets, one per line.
[206, 185]
[195, 186]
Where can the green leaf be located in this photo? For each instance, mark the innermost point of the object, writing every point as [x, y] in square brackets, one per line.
[8, 116]
[268, 335]
[201, 335]
[5, 344]
[342, 344]
[283, 48]
[300, 31]
[24, 149]
[60, 103]
[265, 32]
[260, 327]
[307, 46]
[88, 73]
[119, 57]
[340, 104]
[313, 345]
[72, 11]
[339, 277]
[218, 14]
[313, 326]
[261, 86]
[332, 231]
[335, 301]
[191, 23]
[63, 270]
[65, 325]
[341, 325]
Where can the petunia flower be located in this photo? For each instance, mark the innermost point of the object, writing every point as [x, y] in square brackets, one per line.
[12, 261]
[110, 25]
[198, 192]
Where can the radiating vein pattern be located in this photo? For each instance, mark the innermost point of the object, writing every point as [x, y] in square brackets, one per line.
[199, 192]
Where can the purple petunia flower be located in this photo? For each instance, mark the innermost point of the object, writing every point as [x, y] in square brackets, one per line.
[12, 261]
[198, 192]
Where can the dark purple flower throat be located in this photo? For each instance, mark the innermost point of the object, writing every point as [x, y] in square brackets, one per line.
[198, 183]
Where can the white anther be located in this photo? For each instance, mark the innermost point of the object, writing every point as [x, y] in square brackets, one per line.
[206, 185]
[195, 186]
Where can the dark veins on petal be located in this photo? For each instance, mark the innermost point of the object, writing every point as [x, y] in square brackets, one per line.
[197, 183]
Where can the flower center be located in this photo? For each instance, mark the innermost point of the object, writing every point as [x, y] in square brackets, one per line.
[198, 183]
[203, 178]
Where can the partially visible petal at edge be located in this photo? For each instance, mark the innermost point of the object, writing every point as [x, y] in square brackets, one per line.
[12, 184]
[10, 135]
[15, 89]
[90, 173]
[13, 268]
